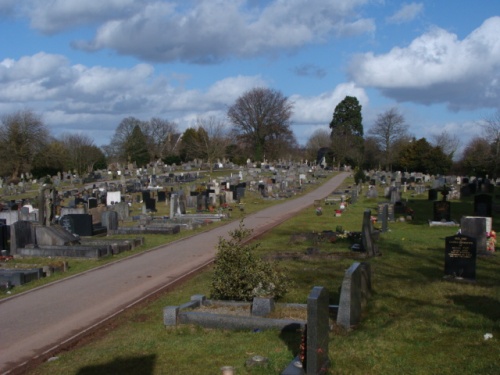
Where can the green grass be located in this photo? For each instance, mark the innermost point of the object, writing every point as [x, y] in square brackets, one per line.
[415, 322]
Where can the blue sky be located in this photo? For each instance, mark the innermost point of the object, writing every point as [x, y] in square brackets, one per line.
[84, 66]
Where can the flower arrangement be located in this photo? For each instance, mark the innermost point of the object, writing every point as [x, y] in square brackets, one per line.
[491, 240]
[319, 211]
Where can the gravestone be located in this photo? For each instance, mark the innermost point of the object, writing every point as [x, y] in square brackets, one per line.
[367, 234]
[162, 196]
[483, 205]
[390, 211]
[372, 193]
[354, 294]
[67, 223]
[113, 197]
[150, 204]
[123, 210]
[318, 326]
[82, 224]
[4, 236]
[385, 217]
[476, 227]
[433, 195]
[442, 211]
[109, 220]
[21, 234]
[460, 257]
[146, 194]
[92, 202]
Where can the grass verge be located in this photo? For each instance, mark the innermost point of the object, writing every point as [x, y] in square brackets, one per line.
[415, 322]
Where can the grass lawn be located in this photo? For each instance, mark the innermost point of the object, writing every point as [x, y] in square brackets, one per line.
[415, 322]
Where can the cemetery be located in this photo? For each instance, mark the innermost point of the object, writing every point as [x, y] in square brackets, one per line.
[78, 219]
[384, 280]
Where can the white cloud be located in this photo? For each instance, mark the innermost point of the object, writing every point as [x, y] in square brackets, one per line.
[438, 68]
[406, 13]
[319, 109]
[97, 98]
[211, 31]
[51, 16]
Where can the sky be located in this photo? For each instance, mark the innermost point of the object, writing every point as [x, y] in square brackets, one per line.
[83, 66]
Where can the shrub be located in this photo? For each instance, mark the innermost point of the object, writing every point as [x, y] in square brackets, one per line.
[359, 176]
[240, 275]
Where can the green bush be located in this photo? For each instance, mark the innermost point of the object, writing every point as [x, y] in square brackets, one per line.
[240, 275]
[359, 176]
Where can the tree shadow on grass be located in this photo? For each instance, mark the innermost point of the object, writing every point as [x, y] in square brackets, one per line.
[142, 365]
[486, 306]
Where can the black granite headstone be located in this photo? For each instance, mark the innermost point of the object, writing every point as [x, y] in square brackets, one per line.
[162, 196]
[433, 195]
[460, 257]
[483, 205]
[150, 204]
[92, 203]
[82, 224]
[67, 223]
[442, 211]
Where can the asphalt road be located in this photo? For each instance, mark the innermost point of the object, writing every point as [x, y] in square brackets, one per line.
[39, 321]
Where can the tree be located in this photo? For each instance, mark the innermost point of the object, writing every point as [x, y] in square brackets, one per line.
[448, 143]
[52, 158]
[320, 138]
[491, 130]
[213, 139]
[208, 142]
[260, 116]
[389, 127]
[347, 131]
[22, 136]
[160, 135]
[136, 147]
[372, 155]
[189, 145]
[116, 150]
[476, 158]
[421, 156]
[81, 152]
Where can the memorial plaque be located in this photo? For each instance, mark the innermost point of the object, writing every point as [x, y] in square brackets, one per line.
[460, 257]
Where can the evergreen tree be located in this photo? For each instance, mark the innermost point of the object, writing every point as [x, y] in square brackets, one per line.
[347, 132]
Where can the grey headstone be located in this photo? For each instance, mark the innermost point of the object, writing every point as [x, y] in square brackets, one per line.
[476, 227]
[318, 328]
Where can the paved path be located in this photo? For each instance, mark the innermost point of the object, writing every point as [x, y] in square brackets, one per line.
[35, 322]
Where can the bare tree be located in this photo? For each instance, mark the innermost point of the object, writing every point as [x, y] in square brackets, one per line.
[449, 143]
[491, 130]
[258, 116]
[389, 127]
[22, 135]
[320, 138]
[160, 136]
[82, 153]
[208, 141]
[115, 151]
